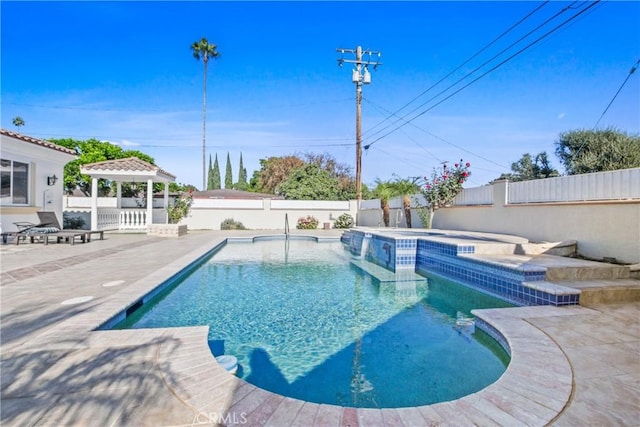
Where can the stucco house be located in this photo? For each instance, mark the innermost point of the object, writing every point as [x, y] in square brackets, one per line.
[31, 174]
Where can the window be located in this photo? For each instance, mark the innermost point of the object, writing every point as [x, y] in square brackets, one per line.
[14, 182]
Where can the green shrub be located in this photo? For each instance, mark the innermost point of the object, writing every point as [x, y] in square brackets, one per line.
[180, 208]
[231, 224]
[307, 223]
[344, 221]
[72, 222]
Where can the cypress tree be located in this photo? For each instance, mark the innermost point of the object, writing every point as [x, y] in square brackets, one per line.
[228, 176]
[216, 175]
[242, 176]
[210, 176]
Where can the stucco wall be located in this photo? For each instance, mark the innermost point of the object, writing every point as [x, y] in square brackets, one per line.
[263, 214]
[43, 162]
[603, 229]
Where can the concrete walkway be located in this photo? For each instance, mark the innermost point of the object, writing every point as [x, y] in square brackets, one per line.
[570, 366]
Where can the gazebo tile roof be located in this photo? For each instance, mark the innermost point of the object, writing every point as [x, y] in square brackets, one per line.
[37, 141]
[129, 164]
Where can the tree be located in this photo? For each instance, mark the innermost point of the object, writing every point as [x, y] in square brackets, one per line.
[91, 151]
[405, 188]
[216, 183]
[309, 182]
[242, 176]
[205, 50]
[341, 172]
[528, 168]
[228, 174]
[175, 187]
[274, 171]
[444, 186]
[209, 176]
[585, 151]
[384, 192]
[18, 122]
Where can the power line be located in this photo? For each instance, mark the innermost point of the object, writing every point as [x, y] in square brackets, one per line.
[631, 71]
[479, 67]
[326, 142]
[157, 110]
[504, 33]
[380, 108]
[366, 147]
[486, 73]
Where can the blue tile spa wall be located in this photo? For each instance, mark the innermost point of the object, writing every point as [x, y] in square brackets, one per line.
[388, 252]
[380, 250]
[504, 281]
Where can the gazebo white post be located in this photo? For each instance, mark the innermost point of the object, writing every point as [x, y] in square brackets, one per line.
[149, 202]
[166, 202]
[94, 203]
[118, 196]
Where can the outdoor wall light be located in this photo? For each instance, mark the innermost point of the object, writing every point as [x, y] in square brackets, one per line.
[51, 180]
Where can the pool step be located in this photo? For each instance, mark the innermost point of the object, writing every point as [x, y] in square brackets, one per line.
[605, 291]
[558, 268]
[543, 292]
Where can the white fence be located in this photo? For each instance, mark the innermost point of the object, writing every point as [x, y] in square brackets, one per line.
[475, 196]
[614, 185]
[600, 186]
[601, 211]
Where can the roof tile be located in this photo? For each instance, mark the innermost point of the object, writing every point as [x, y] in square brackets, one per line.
[129, 164]
[37, 141]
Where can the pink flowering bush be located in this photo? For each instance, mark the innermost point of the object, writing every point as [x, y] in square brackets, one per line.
[443, 186]
[307, 223]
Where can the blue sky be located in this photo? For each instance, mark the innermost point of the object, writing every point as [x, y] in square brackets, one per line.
[123, 72]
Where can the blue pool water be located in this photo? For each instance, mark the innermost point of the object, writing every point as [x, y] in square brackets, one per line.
[305, 321]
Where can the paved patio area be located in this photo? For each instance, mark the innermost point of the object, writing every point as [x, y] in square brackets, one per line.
[570, 366]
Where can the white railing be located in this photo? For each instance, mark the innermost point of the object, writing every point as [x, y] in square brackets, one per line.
[613, 185]
[132, 219]
[108, 219]
[128, 219]
[475, 196]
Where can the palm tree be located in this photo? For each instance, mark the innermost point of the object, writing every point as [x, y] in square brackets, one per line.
[384, 191]
[405, 188]
[205, 50]
[18, 121]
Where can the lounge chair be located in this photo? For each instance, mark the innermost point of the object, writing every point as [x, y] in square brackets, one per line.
[51, 219]
[43, 232]
[23, 232]
[47, 233]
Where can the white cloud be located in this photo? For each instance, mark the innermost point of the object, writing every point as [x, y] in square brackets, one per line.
[124, 143]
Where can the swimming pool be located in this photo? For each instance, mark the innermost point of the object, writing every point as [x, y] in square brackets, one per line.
[305, 320]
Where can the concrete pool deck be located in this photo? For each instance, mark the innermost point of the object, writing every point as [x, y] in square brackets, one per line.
[570, 365]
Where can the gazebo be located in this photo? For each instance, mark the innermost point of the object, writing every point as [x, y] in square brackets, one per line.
[131, 170]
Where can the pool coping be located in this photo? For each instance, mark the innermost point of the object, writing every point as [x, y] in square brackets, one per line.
[535, 388]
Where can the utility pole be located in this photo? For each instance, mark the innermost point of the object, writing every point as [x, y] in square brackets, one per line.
[360, 75]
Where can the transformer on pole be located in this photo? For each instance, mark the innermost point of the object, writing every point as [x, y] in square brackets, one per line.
[360, 75]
